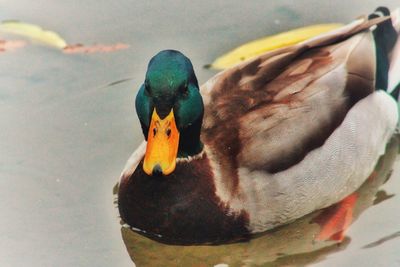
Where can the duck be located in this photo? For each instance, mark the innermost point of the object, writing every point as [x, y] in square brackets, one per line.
[262, 143]
[274, 247]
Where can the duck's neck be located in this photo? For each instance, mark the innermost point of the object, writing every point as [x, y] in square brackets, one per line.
[189, 140]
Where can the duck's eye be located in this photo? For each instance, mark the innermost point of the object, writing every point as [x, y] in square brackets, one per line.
[154, 132]
[168, 132]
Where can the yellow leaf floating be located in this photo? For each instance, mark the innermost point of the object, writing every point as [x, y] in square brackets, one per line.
[260, 46]
[33, 32]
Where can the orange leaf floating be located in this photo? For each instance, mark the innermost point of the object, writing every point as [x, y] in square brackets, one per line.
[97, 48]
[11, 45]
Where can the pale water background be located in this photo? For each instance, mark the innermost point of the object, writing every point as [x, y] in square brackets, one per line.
[65, 135]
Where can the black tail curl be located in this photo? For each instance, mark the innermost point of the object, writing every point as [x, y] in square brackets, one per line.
[385, 39]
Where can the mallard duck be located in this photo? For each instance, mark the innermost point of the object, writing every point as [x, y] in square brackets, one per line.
[260, 144]
[293, 243]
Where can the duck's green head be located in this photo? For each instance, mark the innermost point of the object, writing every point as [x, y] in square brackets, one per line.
[170, 110]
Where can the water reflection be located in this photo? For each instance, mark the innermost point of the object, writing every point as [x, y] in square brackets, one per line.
[293, 244]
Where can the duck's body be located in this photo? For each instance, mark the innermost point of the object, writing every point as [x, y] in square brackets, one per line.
[289, 132]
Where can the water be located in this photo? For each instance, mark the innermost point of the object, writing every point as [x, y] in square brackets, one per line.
[66, 134]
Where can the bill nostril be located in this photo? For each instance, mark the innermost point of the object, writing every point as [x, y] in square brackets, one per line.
[157, 170]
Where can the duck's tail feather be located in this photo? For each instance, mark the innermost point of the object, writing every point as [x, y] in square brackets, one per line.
[386, 37]
[395, 92]
[394, 71]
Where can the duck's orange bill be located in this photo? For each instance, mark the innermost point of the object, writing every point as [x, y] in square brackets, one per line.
[162, 145]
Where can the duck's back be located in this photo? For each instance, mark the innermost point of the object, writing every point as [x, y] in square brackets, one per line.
[267, 114]
[299, 128]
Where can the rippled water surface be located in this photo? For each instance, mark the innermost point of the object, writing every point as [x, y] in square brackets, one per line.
[68, 125]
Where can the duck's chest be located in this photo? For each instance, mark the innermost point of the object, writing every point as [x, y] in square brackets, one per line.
[179, 208]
